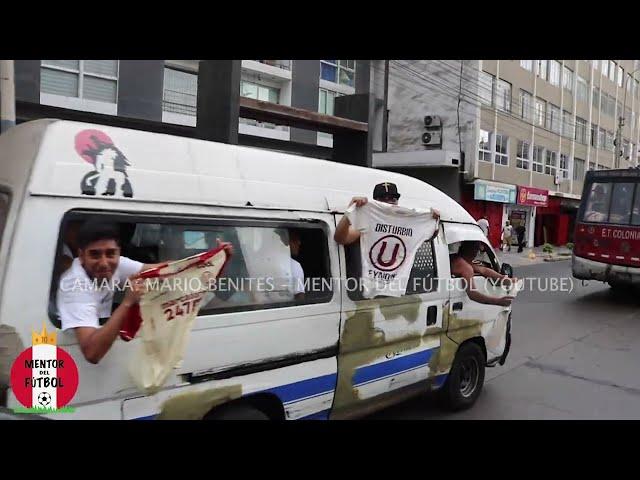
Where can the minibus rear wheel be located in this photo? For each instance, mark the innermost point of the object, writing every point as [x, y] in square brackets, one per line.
[465, 380]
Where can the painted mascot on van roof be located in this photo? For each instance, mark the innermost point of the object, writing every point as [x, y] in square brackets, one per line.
[109, 176]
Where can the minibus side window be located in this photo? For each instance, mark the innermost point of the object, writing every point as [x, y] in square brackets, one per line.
[265, 271]
[271, 266]
[485, 256]
[423, 276]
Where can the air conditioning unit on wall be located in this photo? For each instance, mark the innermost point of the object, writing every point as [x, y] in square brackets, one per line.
[432, 138]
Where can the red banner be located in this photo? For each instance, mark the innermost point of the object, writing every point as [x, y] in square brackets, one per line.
[536, 197]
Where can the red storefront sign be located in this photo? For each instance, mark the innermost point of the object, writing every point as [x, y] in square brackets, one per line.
[536, 197]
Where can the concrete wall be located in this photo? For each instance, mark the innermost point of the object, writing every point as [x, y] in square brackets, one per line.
[431, 88]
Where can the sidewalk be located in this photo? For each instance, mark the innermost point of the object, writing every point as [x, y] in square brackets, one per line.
[516, 259]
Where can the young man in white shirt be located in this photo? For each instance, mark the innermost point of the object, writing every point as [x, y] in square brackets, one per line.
[386, 192]
[81, 305]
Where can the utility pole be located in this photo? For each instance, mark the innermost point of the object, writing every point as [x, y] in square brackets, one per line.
[618, 141]
[7, 96]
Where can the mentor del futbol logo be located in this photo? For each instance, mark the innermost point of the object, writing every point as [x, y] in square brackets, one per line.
[44, 378]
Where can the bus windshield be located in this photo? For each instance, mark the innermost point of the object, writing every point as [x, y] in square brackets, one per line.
[613, 202]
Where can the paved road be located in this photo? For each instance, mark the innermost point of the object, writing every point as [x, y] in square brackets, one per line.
[575, 355]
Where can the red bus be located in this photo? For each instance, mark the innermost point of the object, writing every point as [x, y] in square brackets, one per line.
[607, 235]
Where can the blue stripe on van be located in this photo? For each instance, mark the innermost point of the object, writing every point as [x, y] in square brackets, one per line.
[385, 369]
[312, 387]
[439, 380]
[148, 417]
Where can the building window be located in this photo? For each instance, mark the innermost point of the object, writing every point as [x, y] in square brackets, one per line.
[620, 76]
[95, 80]
[259, 92]
[554, 118]
[554, 72]
[578, 169]
[594, 135]
[581, 130]
[567, 79]
[538, 155]
[541, 69]
[602, 138]
[605, 67]
[609, 140]
[326, 105]
[612, 70]
[484, 147]
[596, 64]
[612, 105]
[486, 84]
[551, 163]
[522, 158]
[180, 92]
[527, 64]
[338, 71]
[582, 90]
[596, 97]
[567, 124]
[502, 150]
[326, 101]
[540, 112]
[564, 166]
[503, 95]
[607, 104]
[525, 104]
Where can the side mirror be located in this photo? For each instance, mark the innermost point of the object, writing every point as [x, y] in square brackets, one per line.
[507, 270]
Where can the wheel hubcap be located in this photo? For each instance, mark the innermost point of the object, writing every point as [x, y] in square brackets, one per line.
[469, 373]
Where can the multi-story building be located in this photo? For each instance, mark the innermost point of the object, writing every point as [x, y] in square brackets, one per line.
[516, 135]
[529, 130]
[166, 90]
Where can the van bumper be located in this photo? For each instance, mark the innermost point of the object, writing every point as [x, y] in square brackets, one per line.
[585, 269]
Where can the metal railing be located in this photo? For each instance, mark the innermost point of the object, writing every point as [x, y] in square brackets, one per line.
[284, 64]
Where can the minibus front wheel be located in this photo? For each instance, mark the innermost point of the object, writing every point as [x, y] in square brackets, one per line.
[465, 380]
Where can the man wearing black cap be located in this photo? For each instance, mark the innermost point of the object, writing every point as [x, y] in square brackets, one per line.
[386, 192]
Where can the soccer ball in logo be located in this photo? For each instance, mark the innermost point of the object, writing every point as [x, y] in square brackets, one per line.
[44, 399]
